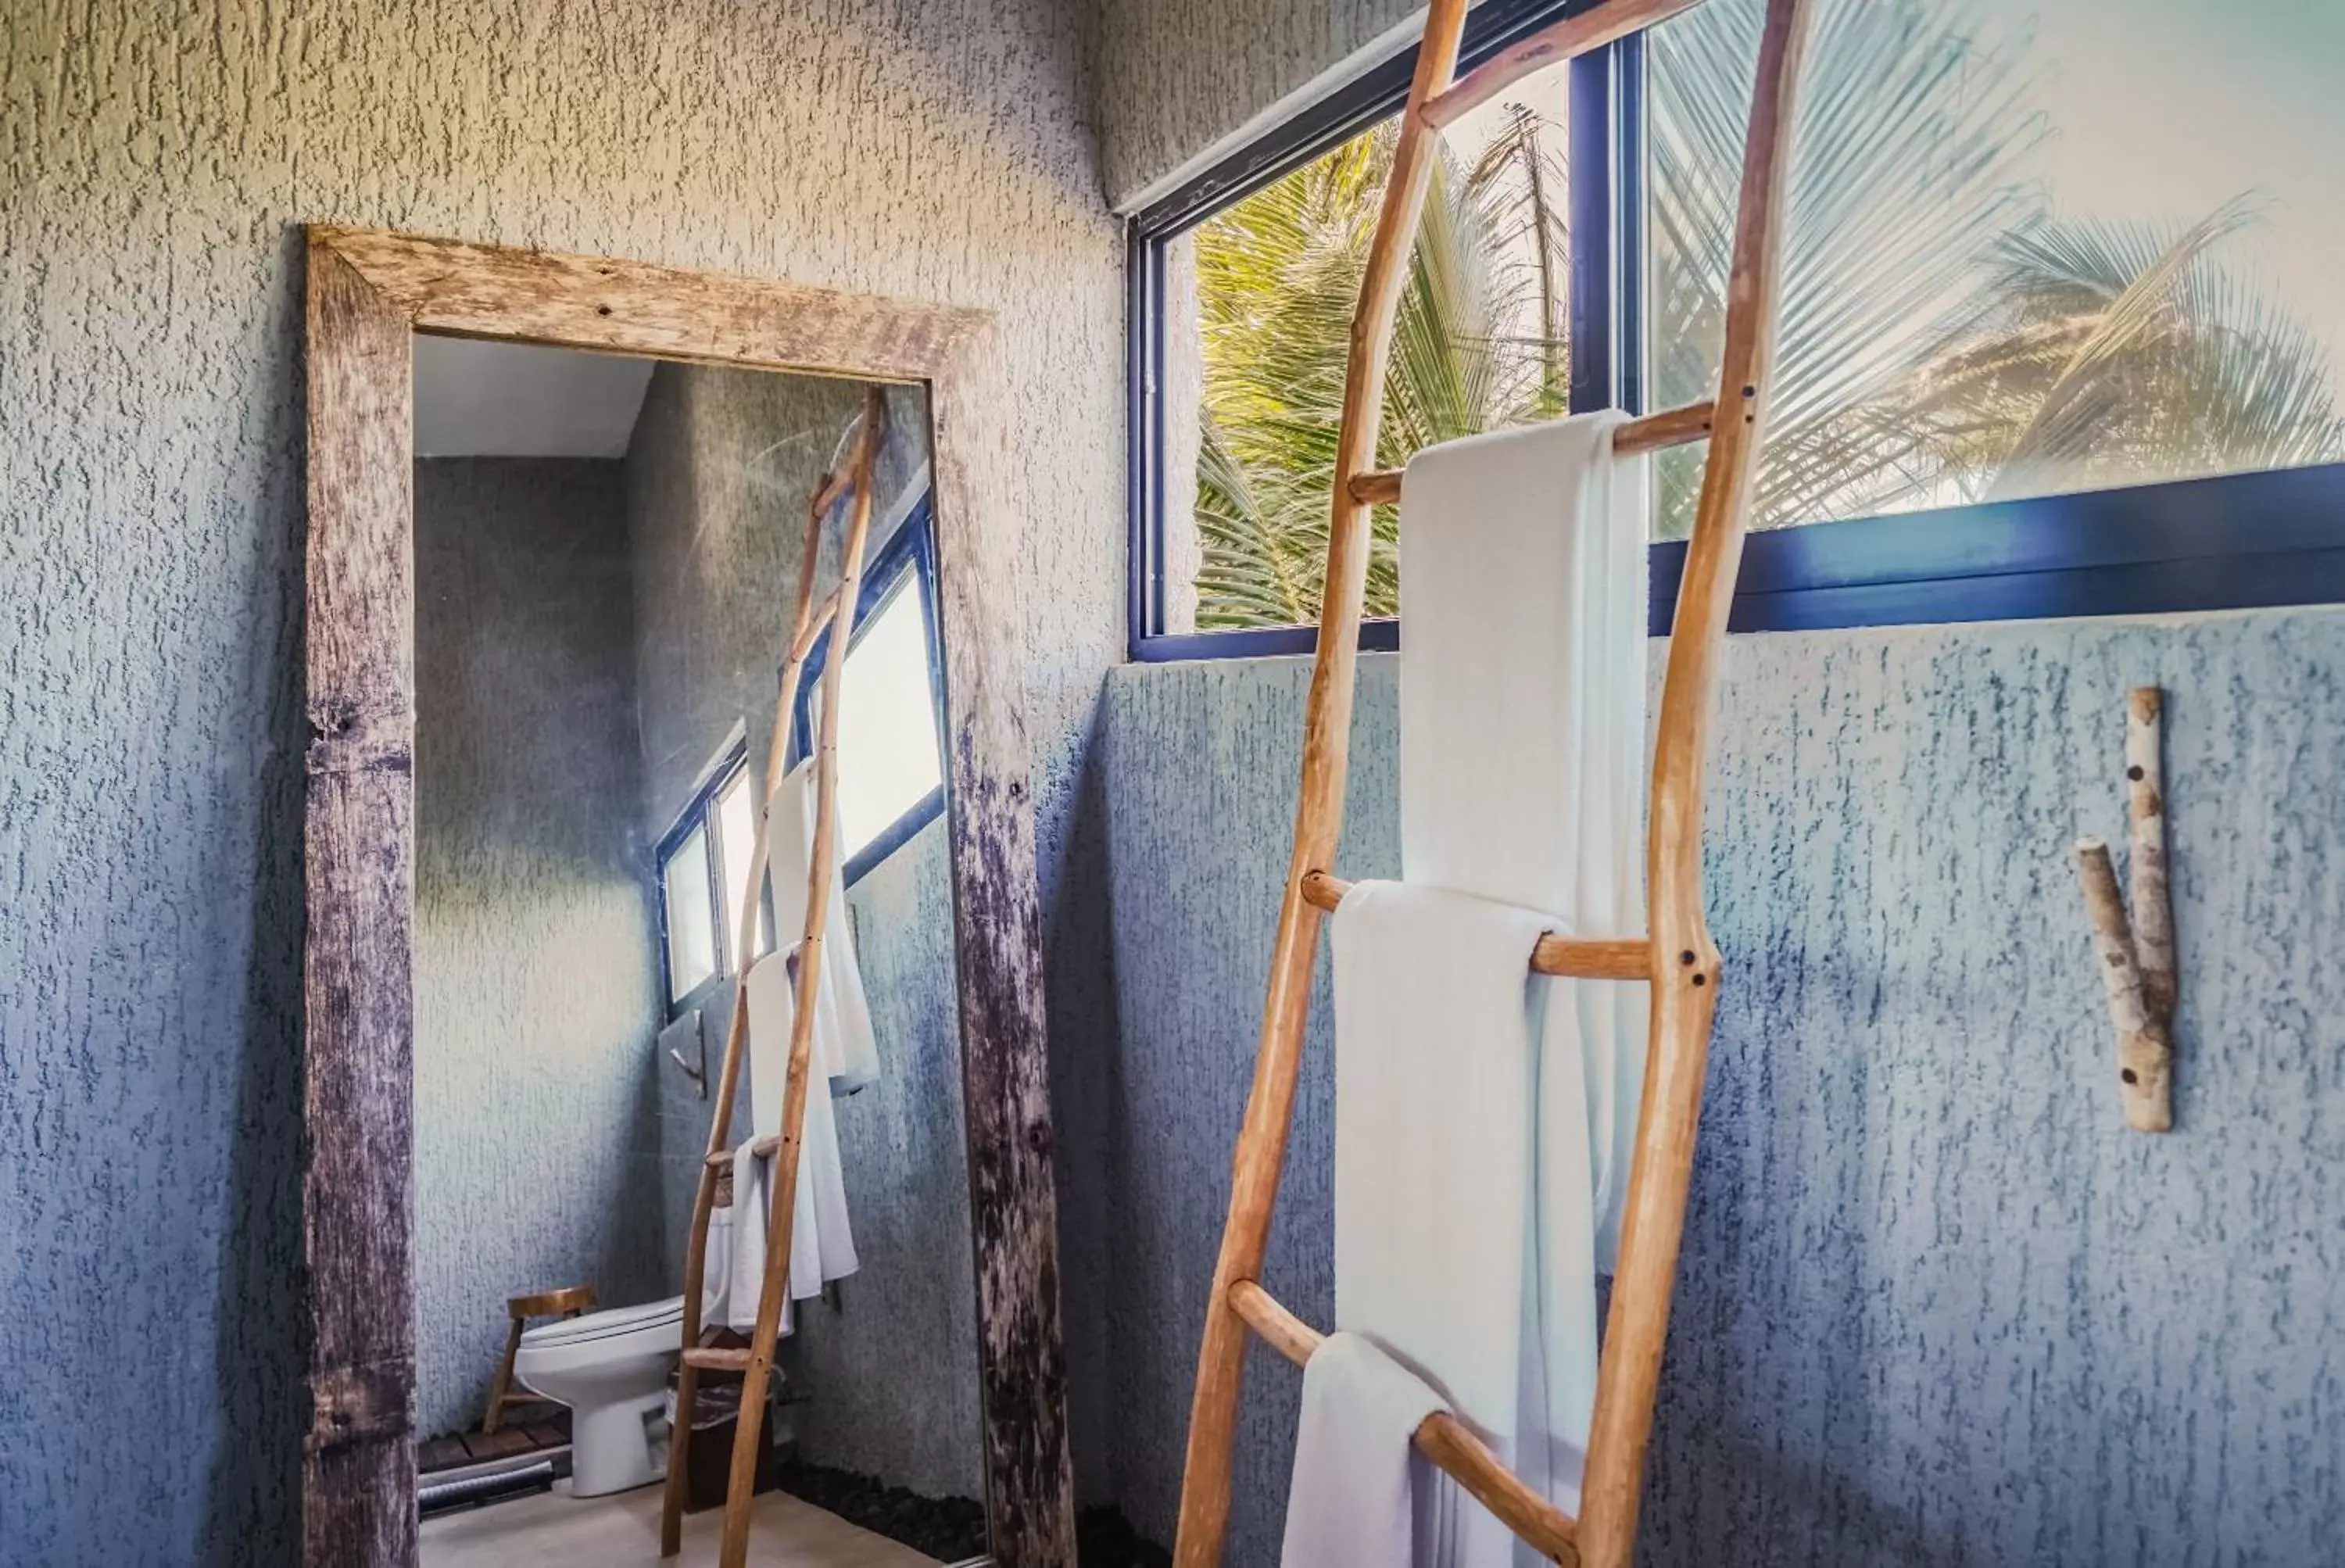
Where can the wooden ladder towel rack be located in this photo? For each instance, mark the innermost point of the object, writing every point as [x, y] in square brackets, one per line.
[1676, 956]
[851, 479]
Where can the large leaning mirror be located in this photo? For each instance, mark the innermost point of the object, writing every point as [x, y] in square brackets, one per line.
[680, 1184]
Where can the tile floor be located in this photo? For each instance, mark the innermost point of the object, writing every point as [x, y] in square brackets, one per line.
[555, 1530]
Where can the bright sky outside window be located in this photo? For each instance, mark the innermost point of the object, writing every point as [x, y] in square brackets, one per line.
[2035, 247]
[889, 755]
[736, 842]
[691, 923]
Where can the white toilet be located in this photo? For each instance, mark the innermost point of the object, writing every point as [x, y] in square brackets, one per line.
[611, 1369]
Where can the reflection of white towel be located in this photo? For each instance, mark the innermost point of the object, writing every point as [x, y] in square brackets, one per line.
[849, 1051]
[822, 1244]
[1350, 1506]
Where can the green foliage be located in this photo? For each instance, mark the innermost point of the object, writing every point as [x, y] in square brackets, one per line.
[1477, 344]
[1943, 336]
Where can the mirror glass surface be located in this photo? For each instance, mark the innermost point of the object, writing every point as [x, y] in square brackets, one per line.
[608, 555]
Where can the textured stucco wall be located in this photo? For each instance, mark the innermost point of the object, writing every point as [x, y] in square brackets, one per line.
[1937, 1305]
[154, 165]
[894, 1371]
[717, 478]
[535, 969]
[1165, 101]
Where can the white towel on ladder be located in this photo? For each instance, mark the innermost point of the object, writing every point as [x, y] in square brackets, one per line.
[1436, 1085]
[1353, 1499]
[1485, 1116]
[1524, 766]
[849, 1050]
[822, 1243]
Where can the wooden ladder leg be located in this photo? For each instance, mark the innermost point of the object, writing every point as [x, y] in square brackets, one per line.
[1685, 964]
[1319, 817]
[688, 1390]
[748, 1430]
[501, 1390]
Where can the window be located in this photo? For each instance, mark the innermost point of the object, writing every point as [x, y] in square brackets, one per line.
[703, 863]
[1254, 300]
[2055, 279]
[890, 751]
[2014, 268]
[692, 942]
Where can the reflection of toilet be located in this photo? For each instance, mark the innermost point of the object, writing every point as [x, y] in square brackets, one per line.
[611, 1369]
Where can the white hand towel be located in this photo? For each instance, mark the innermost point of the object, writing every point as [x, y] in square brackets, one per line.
[1436, 1100]
[1523, 761]
[1350, 1506]
[849, 1050]
[753, 1203]
[822, 1241]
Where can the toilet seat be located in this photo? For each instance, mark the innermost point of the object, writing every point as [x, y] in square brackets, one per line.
[605, 1324]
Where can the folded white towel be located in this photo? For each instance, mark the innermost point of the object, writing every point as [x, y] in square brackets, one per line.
[1484, 1116]
[1523, 761]
[1356, 1474]
[822, 1241]
[753, 1204]
[848, 1050]
[1435, 1103]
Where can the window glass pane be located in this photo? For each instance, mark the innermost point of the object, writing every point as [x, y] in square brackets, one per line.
[2035, 247]
[691, 923]
[1258, 305]
[737, 844]
[889, 755]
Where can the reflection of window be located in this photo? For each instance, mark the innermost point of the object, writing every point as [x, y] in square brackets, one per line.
[2014, 270]
[890, 758]
[691, 914]
[704, 876]
[2014, 274]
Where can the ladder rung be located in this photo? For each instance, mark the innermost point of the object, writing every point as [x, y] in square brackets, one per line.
[763, 1148]
[1441, 1437]
[711, 1358]
[1649, 433]
[816, 623]
[1591, 958]
[1573, 35]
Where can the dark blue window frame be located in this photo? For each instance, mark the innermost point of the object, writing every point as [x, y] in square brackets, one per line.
[908, 557]
[2230, 542]
[699, 813]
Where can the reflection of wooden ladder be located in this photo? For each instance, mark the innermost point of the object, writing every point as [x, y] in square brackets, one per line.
[1676, 956]
[850, 478]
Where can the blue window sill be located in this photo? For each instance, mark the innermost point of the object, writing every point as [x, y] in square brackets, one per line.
[2235, 542]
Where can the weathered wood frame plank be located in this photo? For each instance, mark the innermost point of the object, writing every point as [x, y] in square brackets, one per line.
[368, 292]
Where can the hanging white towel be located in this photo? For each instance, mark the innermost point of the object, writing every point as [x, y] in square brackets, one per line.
[822, 1242]
[1435, 1109]
[1523, 761]
[1350, 1506]
[1484, 1116]
[843, 1033]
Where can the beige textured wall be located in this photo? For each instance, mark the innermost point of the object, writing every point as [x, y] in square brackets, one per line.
[155, 163]
[1164, 100]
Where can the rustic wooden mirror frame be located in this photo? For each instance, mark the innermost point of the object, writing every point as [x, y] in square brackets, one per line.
[368, 293]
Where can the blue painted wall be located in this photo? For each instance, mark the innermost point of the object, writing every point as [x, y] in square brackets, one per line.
[1937, 1305]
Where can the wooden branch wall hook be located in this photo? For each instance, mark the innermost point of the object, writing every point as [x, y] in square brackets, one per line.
[2136, 953]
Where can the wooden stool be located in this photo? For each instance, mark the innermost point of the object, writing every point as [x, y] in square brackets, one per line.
[566, 1303]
